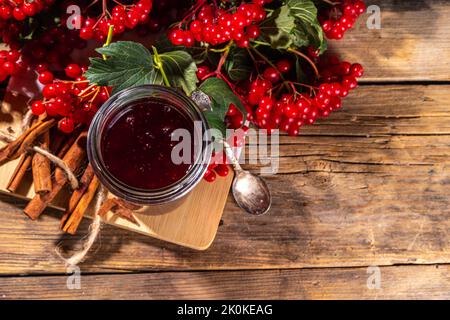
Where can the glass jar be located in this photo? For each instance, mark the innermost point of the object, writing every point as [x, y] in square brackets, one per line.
[118, 104]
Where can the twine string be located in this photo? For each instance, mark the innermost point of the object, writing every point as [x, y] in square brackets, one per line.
[61, 164]
[94, 230]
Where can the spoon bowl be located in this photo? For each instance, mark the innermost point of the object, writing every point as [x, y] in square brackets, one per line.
[251, 193]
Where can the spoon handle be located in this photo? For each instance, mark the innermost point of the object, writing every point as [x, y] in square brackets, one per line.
[230, 154]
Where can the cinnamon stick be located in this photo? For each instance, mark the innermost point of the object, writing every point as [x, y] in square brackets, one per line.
[119, 207]
[74, 159]
[61, 150]
[107, 206]
[15, 149]
[85, 180]
[19, 173]
[73, 220]
[33, 135]
[127, 214]
[57, 140]
[14, 145]
[41, 168]
[24, 162]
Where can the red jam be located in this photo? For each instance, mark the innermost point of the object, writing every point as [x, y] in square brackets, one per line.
[136, 145]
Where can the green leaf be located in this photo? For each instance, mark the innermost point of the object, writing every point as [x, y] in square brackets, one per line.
[238, 65]
[307, 31]
[313, 33]
[180, 69]
[129, 64]
[303, 10]
[277, 28]
[299, 37]
[221, 97]
[216, 122]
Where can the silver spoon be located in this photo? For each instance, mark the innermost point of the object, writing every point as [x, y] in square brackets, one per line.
[250, 191]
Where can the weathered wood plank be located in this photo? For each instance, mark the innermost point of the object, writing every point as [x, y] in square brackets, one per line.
[412, 44]
[388, 110]
[399, 282]
[377, 195]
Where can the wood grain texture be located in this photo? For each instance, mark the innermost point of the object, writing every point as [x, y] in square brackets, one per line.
[367, 186]
[375, 195]
[412, 44]
[400, 282]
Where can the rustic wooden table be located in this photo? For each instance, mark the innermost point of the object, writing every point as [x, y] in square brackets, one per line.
[365, 187]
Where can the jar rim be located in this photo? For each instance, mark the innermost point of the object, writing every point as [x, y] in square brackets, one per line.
[123, 99]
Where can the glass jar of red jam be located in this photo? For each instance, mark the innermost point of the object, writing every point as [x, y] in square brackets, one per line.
[130, 145]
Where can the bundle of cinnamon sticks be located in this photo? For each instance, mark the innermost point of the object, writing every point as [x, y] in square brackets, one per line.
[49, 180]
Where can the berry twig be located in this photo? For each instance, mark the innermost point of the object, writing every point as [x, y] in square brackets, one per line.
[159, 66]
[304, 56]
[267, 61]
[108, 39]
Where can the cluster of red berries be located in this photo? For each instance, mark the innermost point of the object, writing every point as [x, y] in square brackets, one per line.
[74, 100]
[52, 48]
[21, 9]
[220, 27]
[10, 32]
[219, 165]
[13, 18]
[158, 18]
[9, 63]
[122, 18]
[214, 170]
[341, 17]
[262, 107]
[294, 110]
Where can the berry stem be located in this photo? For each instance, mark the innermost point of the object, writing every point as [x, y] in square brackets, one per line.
[193, 11]
[108, 38]
[96, 92]
[267, 61]
[331, 2]
[261, 43]
[105, 8]
[255, 63]
[159, 66]
[224, 57]
[313, 65]
[82, 93]
[304, 56]
[303, 85]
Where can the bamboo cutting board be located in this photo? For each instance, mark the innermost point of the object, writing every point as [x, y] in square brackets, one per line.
[192, 224]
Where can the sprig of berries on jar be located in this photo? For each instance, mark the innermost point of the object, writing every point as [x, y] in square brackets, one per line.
[74, 101]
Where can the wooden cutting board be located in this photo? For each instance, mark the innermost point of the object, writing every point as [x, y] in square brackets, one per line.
[192, 224]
